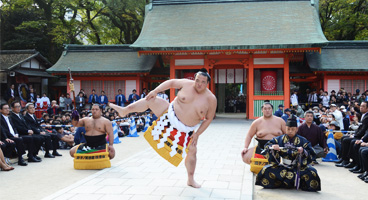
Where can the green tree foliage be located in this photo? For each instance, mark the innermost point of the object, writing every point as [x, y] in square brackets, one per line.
[46, 25]
[344, 19]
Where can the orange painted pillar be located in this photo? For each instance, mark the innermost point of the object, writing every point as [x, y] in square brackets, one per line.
[172, 76]
[286, 82]
[250, 91]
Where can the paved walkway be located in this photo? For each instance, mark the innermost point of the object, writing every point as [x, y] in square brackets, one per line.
[146, 175]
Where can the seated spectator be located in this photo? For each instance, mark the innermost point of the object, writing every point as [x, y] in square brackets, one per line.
[3, 165]
[286, 115]
[54, 108]
[63, 135]
[280, 111]
[51, 141]
[355, 123]
[10, 136]
[334, 126]
[103, 100]
[363, 157]
[314, 135]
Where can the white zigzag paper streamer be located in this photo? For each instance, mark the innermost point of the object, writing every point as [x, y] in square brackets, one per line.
[185, 145]
[175, 144]
[165, 136]
[159, 127]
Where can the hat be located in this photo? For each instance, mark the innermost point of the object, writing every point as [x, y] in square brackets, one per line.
[281, 105]
[333, 91]
[291, 121]
[342, 107]
[316, 107]
[333, 105]
[337, 125]
[287, 110]
[357, 90]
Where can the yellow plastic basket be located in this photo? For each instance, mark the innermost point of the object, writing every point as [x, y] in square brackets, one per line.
[256, 164]
[92, 161]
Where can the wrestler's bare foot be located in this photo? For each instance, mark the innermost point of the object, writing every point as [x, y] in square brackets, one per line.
[194, 184]
[122, 111]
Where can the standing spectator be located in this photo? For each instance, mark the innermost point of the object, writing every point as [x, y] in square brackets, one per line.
[38, 101]
[84, 93]
[313, 99]
[337, 114]
[68, 102]
[32, 96]
[357, 94]
[45, 101]
[10, 94]
[144, 93]
[321, 93]
[80, 102]
[93, 98]
[102, 100]
[62, 102]
[325, 99]
[120, 98]
[133, 97]
[294, 98]
[280, 111]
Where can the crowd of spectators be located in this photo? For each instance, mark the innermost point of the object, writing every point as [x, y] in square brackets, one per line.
[343, 113]
[27, 128]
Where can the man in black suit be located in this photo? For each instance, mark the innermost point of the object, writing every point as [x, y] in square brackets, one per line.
[51, 140]
[80, 102]
[24, 129]
[347, 143]
[11, 135]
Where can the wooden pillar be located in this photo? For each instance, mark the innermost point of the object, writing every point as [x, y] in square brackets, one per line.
[250, 91]
[286, 82]
[172, 76]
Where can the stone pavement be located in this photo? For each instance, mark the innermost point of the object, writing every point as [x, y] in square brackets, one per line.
[146, 175]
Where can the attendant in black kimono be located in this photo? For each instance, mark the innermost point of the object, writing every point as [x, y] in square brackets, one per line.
[293, 170]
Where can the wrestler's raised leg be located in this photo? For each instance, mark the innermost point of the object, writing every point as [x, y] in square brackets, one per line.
[247, 156]
[190, 164]
[157, 105]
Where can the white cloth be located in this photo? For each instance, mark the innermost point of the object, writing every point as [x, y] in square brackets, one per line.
[12, 92]
[62, 102]
[338, 118]
[294, 100]
[9, 125]
[43, 99]
[39, 101]
[164, 96]
[174, 121]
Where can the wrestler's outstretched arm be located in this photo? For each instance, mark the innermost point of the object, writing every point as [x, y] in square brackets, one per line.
[110, 132]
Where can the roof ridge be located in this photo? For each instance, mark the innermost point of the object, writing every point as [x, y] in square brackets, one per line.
[98, 48]
[175, 2]
[20, 51]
